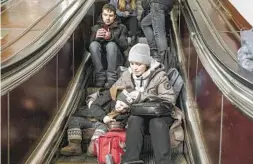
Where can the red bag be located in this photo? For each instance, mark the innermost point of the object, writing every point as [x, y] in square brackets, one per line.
[112, 143]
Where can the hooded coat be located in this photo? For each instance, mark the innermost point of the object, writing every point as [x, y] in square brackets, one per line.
[153, 84]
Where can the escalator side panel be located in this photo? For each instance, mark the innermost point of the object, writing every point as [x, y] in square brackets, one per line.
[225, 131]
[33, 104]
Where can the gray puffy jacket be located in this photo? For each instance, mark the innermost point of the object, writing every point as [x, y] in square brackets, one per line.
[155, 83]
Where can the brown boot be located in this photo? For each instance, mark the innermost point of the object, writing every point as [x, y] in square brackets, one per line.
[74, 146]
[102, 129]
[90, 149]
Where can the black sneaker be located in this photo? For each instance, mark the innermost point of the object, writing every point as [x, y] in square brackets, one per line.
[133, 40]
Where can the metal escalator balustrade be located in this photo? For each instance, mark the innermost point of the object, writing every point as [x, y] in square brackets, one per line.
[218, 95]
[43, 50]
[225, 72]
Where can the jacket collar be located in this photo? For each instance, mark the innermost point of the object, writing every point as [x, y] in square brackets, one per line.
[113, 25]
[154, 67]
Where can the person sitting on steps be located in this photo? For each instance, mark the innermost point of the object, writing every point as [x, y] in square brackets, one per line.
[107, 43]
[101, 109]
[127, 12]
[147, 76]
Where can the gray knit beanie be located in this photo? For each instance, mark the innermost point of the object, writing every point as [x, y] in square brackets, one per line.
[140, 53]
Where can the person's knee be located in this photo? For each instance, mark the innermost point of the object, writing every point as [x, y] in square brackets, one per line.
[111, 49]
[154, 6]
[111, 45]
[135, 121]
[73, 122]
[157, 123]
[94, 46]
[143, 24]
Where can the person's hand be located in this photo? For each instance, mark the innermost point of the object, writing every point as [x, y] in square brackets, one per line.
[89, 103]
[127, 13]
[101, 33]
[121, 107]
[108, 119]
[107, 35]
[133, 96]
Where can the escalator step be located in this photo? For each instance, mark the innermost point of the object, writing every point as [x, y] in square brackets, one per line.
[82, 159]
[178, 158]
[147, 155]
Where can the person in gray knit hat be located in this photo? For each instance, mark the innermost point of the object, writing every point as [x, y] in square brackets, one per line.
[146, 76]
[140, 53]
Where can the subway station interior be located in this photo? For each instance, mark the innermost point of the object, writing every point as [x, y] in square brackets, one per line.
[46, 74]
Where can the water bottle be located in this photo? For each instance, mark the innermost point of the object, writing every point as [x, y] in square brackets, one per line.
[108, 159]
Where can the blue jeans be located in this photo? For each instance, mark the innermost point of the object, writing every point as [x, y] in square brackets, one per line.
[153, 26]
[106, 58]
[112, 52]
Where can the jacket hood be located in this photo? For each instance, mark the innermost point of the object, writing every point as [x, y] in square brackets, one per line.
[142, 81]
[154, 67]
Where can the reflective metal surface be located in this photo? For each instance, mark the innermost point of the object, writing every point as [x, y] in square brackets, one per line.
[33, 98]
[223, 133]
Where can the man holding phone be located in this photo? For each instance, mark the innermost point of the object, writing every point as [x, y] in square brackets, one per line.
[107, 44]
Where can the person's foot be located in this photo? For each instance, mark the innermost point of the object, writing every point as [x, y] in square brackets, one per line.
[72, 149]
[158, 58]
[155, 55]
[90, 150]
[133, 40]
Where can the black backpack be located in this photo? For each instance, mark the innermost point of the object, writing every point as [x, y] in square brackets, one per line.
[176, 80]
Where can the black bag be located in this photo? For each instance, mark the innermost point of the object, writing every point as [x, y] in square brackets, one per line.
[176, 81]
[169, 60]
[152, 108]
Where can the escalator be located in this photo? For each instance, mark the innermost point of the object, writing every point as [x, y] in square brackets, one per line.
[219, 98]
[42, 87]
[37, 73]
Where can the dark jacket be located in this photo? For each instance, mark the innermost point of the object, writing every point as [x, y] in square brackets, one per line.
[118, 33]
[100, 107]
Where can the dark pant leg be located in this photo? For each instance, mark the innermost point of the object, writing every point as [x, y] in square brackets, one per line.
[158, 23]
[146, 25]
[96, 56]
[134, 139]
[132, 24]
[114, 56]
[159, 132]
[81, 122]
[114, 59]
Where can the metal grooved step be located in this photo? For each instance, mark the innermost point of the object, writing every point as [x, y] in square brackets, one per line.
[147, 156]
